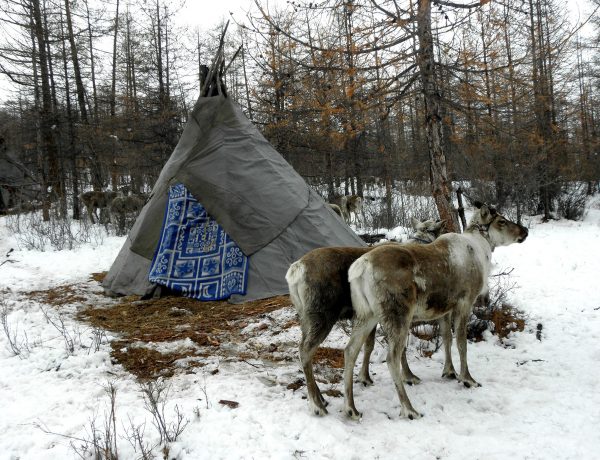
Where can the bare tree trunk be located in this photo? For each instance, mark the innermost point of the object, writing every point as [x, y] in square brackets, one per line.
[113, 87]
[543, 111]
[72, 149]
[584, 120]
[59, 179]
[159, 58]
[38, 122]
[329, 174]
[440, 186]
[517, 186]
[92, 62]
[353, 136]
[131, 79]
[76, 68]
[46, 116]
[95, 169]
[167, 63]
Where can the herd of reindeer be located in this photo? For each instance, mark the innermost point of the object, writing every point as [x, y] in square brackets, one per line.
[431, 277]
[120, 209]
[115, 207]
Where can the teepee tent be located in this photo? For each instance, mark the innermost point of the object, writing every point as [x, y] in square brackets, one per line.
[233, 188]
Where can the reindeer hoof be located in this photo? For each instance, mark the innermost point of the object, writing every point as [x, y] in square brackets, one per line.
[411, 415]
[353, 414]
[471, 384]
[319, 409]
[366, 381]
[414, 380]
[449, 375]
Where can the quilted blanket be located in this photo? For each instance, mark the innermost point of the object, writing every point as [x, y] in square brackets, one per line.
[195, 256]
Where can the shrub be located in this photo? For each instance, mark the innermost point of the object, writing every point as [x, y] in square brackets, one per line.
[571, 201]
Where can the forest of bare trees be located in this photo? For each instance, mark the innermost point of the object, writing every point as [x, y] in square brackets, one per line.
[503, 94]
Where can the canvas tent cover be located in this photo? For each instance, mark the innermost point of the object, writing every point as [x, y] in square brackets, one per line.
[248, 188]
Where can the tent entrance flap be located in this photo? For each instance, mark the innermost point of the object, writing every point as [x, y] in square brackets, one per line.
[195, 256]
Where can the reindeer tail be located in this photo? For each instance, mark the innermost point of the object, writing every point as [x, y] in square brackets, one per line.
[360, 276]
[295, 278]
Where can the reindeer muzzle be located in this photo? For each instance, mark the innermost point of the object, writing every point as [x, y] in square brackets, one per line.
[524, 234]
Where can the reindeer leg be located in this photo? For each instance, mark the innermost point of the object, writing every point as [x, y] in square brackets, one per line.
[396, 327]
[363, 376]
[407, 375]
[460, 325]
[360, 331]
[312, 336]
[90, 211]
[446, 329]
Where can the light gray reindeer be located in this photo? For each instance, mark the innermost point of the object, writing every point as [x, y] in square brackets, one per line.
[319, 289]
[94, 200]
[394, 285]
[350, 206]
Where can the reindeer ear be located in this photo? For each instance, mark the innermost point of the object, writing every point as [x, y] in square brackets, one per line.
[415, 223]
[439, 225]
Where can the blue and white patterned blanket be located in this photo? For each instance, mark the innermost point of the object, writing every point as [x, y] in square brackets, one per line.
[195, 256]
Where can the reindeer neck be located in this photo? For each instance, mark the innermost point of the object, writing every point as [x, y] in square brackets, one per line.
[418, 239]
[483, 232]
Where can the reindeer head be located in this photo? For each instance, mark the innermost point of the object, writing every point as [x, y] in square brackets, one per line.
[498, 229]
[427, 230]
[354, 203]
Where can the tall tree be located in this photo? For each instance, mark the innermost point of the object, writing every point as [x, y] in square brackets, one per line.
[47, 119]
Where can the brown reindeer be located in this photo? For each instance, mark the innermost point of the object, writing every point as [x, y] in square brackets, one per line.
[93, 200]
[319, 289]
[394, 285]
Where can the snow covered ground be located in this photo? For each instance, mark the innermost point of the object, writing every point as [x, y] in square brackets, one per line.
[539, 399]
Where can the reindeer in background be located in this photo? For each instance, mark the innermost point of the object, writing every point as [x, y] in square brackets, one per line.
[124, 210]
[347, 206]
[97, 200]
[351, 205]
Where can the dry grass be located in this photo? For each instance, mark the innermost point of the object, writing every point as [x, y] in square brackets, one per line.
[507, 319]
[168, 319]
[148, 364]
[60, 295]
[98, 277]
[332, 357]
